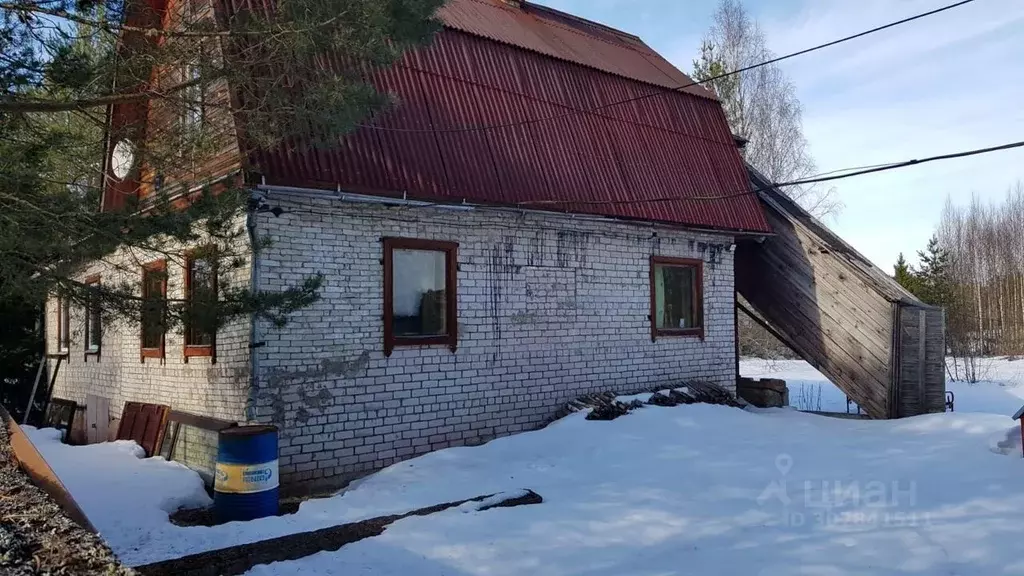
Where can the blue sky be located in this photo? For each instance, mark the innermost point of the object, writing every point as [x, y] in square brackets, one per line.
[949, 82]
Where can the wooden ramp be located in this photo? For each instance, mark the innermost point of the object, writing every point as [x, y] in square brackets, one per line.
[882, 346]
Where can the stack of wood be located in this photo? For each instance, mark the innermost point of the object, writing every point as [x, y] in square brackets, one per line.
[604, 406]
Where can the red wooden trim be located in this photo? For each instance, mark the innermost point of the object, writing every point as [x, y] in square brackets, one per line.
[698, 292]
[389, 298]
[155, 266]
[451, 339]
[451, 296]
[190, 350]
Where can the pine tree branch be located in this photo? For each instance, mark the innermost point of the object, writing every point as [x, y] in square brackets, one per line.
[43, 105]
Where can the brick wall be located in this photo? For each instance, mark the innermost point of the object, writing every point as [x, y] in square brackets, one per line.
[218, 389]
[549, 308]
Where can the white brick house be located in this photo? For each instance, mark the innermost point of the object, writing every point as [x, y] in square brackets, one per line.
[474, 279]
[549, 307]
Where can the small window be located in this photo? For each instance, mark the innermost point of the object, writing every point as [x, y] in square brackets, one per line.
[154, 308]
[93, 317]
[63, 324]
[193, 112]
[201, 301]
[677, 307]
[419, 293]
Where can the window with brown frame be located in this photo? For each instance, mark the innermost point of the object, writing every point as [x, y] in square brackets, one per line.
[93, 317]
[154, 308]
[677, 306]
[420, 306]
[201, 306]
[63, 324]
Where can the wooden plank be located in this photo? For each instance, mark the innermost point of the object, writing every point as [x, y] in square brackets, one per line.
[804, 253]
[935, 367]
[849, 373]
[97, 418]
[32, 462]
[145, 424]
[138, 429]
[760, 321]
[827, 276]
[869, 388]
[834, 361]
[921, 334]
[816, 277]
[128, 415]
[803, 297]
[777, 202]
[198, 421]
[910, 362]
[794, 299]
[894, 364]
[60, 414]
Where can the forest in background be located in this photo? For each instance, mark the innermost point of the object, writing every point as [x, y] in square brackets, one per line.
[973, 267]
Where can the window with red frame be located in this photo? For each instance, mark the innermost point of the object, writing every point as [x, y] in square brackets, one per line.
[201, 306]
[154, 309]
[677, 307]
[420, 306]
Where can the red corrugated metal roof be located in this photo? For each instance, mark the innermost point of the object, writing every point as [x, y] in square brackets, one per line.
[566, 37]
[674, 145]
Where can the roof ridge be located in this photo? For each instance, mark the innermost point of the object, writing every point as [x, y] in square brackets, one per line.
[644, 51]
[586, 21]
[502, 6]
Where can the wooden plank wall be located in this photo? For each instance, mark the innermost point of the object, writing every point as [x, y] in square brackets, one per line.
[922, 383]
[838, 322]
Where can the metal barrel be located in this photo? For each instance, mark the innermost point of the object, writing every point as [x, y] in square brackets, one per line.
[246, 479]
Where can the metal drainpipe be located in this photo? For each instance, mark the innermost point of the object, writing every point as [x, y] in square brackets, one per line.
[254, 331]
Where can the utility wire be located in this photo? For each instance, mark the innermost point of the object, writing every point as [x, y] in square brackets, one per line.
[812, 180]
[799, 182]
[573, 111]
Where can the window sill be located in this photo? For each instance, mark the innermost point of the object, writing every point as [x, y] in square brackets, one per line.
[191, 351]
[152, 353]
[63, 352]
[684, 332]
[93, 352]
[413, 342]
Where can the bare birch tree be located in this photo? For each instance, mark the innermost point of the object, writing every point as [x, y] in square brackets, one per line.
[760, 104]
[985, 307]
[763, 109]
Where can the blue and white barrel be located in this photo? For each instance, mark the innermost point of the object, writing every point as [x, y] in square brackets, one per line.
[246, 480]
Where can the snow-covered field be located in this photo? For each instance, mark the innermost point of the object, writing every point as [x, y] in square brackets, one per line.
[1000, 391]
[687, 490]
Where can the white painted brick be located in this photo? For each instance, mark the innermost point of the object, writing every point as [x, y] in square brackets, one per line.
[550, 308]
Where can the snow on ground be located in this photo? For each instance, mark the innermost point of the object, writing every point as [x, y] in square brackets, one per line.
[709, 490]
[129, 499]
[686, 490]
[126, 496]
[999, 391]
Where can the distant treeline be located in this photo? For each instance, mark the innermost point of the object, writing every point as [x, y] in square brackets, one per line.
[974, 268]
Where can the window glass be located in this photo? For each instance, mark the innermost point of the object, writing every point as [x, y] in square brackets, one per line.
[93, 321]
[202, 301]
[64, 324]
[419, 304]
[153, 303]
[675, 297]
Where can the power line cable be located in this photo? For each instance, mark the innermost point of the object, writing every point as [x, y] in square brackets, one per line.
[799, 182]
[812, 180]
[573, 111]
